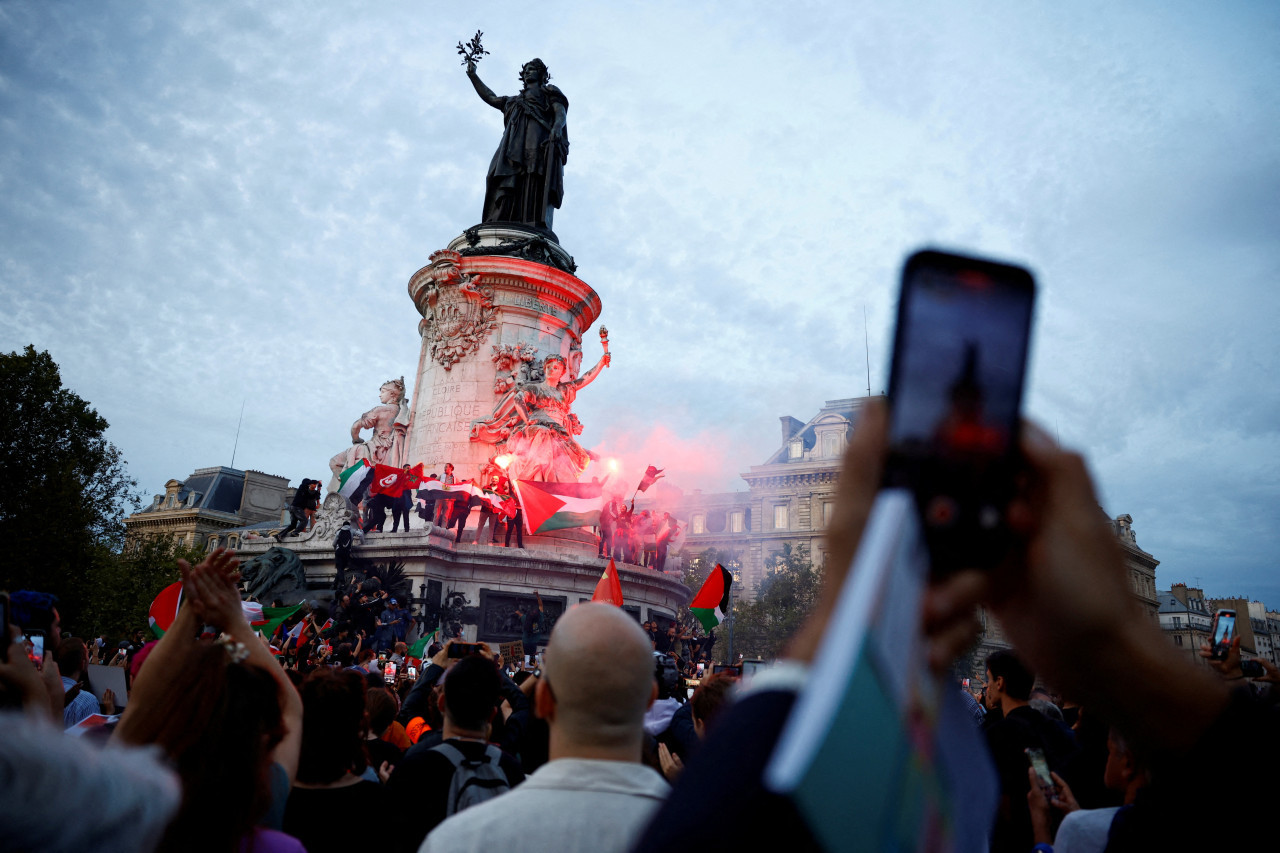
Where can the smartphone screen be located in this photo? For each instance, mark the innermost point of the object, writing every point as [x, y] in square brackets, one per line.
[389, 673]
[1041, 766]
[33, 641]
[955, 395]
[1224, 632]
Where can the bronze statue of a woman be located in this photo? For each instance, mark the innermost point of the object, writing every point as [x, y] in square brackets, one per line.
[526, 177]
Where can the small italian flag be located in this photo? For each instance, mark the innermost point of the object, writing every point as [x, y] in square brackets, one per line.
[609, 587]
[555, 506]
[711, 603]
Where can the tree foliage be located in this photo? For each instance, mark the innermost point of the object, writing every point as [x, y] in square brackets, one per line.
[64, 489]
[785, 599]
[120, 589]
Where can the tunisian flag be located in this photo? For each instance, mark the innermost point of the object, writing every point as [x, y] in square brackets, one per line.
[609, 587]
[391, 481]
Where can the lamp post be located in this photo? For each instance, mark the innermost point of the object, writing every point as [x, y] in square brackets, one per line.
[734, 568]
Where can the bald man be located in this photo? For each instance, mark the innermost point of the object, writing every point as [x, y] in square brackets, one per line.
[594, 794]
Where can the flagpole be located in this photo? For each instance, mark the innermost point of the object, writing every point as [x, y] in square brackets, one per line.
[731, 621]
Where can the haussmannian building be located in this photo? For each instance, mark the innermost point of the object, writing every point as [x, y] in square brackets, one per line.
[196, 512]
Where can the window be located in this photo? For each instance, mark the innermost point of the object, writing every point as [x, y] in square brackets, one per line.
[795, 449]
[1177, 638]
[780, 517]
[735, 521]
[699, 524]
[1177, 621]
[828, 507]
[831, 445]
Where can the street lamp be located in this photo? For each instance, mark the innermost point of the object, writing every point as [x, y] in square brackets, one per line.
[736, 573]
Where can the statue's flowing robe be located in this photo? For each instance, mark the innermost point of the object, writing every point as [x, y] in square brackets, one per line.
[526, 175]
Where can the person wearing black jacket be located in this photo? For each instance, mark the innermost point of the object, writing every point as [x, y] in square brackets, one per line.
[302, 500]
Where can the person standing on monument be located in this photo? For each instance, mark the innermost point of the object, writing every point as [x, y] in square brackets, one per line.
[444, 508]
[525, 182]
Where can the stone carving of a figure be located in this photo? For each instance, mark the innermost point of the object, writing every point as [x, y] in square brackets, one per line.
[386, 445]
[526, 177]
[538, 427]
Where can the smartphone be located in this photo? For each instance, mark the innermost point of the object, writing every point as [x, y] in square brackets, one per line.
[726, 668]
[955, 397]
[33, 641]
[1041, 766]
[1252, 669]
[389, 673]
[1224, 632]
[412, 673]
[461, 650]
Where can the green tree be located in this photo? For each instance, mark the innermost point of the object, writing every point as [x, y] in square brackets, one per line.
[119, 591]
[64, 489]
[784, 600]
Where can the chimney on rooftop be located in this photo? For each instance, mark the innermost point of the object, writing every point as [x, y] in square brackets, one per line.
[790, 426]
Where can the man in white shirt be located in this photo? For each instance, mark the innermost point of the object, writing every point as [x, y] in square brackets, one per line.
[597, 681]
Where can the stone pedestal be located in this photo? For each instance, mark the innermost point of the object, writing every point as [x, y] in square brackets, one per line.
[488, 320]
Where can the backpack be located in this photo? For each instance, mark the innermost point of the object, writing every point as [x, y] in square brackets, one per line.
[473, 781]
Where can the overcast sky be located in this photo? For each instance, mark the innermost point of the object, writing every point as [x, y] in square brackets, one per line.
[205, 204]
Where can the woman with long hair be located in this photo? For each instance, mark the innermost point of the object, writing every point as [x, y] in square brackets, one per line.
[225, 713]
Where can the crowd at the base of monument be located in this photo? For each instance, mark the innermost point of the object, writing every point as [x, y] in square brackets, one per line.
[1099, 734]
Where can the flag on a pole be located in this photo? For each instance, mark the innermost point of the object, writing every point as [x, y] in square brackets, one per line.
[273, 616]
[253, 613]
[419, 648]
[165, 608]
[556, 506]
[609, 587]
[711, 604]
[651, 476]
[353, 481]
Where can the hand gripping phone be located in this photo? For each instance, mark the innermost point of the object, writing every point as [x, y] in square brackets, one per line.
[955, 397]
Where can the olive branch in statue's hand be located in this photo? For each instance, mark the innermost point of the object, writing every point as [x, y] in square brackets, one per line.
[472, 50]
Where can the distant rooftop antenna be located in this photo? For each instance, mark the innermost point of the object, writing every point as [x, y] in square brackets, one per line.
[236, 446]
[866, 343]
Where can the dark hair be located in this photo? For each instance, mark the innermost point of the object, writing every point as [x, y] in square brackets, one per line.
[1018, 680]
[710, 697]
[332, 718]
[218, 721]
[471, 692]
[70, 655]
[381, 707]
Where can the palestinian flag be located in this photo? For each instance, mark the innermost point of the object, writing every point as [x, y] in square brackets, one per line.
[651, 476]
[354, 480]
[419, 648]
[609, 587]
[272, 617]
[501, 504]
[711, 603]
[555, 506]
[165, 608]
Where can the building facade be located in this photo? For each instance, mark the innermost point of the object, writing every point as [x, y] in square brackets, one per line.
[197, 512]
[788, 502]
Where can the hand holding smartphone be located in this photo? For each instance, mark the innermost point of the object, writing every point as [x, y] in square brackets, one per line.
[1224, 633]
[955, 393]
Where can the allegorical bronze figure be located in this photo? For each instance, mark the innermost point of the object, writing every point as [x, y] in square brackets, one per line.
[525, 183]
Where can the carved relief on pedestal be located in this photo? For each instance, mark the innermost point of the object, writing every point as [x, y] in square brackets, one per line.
[457, 311]
[515, 364]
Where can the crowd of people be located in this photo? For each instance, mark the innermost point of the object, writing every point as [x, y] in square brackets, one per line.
[596, 744]
[639, 538]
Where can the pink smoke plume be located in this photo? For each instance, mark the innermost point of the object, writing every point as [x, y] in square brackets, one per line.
[704, 461]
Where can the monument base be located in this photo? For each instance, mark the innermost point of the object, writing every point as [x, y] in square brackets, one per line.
[479, 586]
